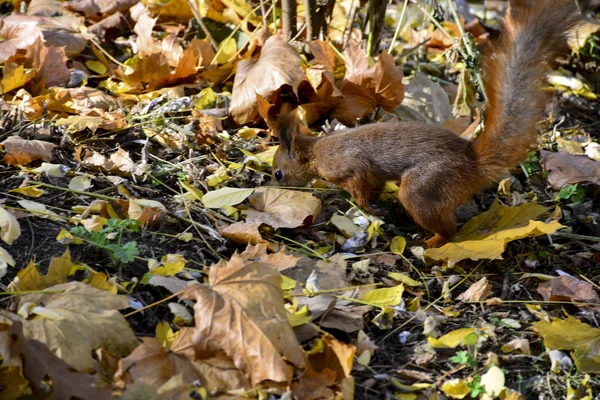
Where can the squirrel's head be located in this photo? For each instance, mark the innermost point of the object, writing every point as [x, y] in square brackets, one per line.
[291, 163]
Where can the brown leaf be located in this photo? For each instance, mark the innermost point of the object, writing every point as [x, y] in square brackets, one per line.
[99, 7]
[567, 288]
[39, 363]
[367, 87]
[478, 291]
[199, 52]
[50, 64]
[279, 64]
[242, 314]
[279, 261]
[20, 151]
[19, 33]
[217, 373]
[281, 208]
[89, 319]
[146, 43]
[242, 232]
[567, 169]
[154, 365]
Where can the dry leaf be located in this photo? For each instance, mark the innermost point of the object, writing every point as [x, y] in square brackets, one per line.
[20, 151]
[278, 65]
[19, 33]
[40, 364]
[568, 288]
[365, 87]
[567, 169]
[282, 208]
[242, 314]
[478, 291]
[486, 236]
[89, 320]
[10, 229]
[242, 232]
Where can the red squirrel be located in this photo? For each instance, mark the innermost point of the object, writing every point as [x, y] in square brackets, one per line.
[436, 170]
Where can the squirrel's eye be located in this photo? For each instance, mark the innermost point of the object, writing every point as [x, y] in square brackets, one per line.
[278, 175]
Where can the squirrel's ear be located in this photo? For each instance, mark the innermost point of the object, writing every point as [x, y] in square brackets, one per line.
[286, 138]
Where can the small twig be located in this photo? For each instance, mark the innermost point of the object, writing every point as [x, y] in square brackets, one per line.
[577, 237]
[77, 192]
[198, 18]
[154, 304]
[305, 247]
[397, 32]
[107, 54]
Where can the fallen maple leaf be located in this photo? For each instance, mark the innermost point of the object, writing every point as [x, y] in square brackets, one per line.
[19, 33]
[20, 151]
[282, 208]
[367, 87]
[40, 364]
[279, 64]
[572, 334]
[242, 314]
[88, 320]
[486, 235]
[566, 169]
[242, 232]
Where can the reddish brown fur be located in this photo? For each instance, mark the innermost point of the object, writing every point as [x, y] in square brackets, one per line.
[437, 171]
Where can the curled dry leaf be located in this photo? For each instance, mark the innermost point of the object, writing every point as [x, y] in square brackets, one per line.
[242, 315]
[20, 151]
[279, 64]
[478, 291]
[10, 229]
[89, 320]
[567, 288]
[566, 169]
[279, 260]
[281, 208]
[242, 232]
[367, 87]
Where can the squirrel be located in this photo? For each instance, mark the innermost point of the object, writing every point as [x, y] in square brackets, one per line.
[436, 170]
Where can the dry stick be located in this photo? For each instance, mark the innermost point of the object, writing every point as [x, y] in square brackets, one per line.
[202, 26]
[348, 27]
[107, 54]
[397, 32]
[77, 192]
[576, 237]
[467, 44]
[214, 60]
[154, 304]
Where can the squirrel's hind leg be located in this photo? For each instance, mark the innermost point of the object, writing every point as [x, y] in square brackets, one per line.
[429, 209]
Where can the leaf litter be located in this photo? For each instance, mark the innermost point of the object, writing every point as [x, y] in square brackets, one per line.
[144, 254]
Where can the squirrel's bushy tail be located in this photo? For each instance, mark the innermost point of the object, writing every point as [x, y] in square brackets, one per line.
[515, 69]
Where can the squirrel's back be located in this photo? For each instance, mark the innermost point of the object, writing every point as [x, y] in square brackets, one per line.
[515, 68]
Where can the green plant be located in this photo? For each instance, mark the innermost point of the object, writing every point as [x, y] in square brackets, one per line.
[464, 358]
[476, 387]
[123, 253]
[573, 193]
[531, 166]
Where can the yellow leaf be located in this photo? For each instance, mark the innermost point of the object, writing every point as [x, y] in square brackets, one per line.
[225, 197]
[78, 123]
[96, 66]
[65, 237]
[451, 339]
[164, 334]
[572, 334]
[408, 281]
[100, 281]
[300, 317]
[227, 49]
[194, 191]
[267, 155]
[207, 98]
[9, 227]
[30, 191]
[398, 244]
[95, 223]
[456, 388]
[15, 77]
[287, 283]
[5, 259]
[391, 296]
[171, 264]
[486, 236]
